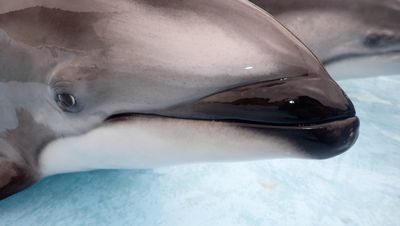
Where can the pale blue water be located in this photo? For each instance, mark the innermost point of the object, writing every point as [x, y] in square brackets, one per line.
[360, 187]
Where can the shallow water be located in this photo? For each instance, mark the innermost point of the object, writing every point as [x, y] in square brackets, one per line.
[360, 187]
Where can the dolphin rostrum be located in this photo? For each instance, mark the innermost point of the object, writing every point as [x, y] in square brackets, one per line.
[357, 38]
[95, 84]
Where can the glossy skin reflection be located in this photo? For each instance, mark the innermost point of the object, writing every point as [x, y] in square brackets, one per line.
[79, 81]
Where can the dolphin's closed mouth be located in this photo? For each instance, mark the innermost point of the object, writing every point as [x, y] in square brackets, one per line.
[321, 124]
[319, 141]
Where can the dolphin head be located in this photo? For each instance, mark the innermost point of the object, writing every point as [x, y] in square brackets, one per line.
[352, 38]
[141, 84]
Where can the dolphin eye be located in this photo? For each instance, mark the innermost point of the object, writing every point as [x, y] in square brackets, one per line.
[67, 102]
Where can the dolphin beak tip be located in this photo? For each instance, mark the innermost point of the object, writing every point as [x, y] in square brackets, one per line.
[314, 114]
[330, 139]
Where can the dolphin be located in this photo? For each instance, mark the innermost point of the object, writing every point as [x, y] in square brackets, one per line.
[98, 84]
[357, 38]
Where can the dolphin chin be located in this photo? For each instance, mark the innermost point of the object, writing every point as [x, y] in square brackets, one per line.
[144, 141]
[316, 141]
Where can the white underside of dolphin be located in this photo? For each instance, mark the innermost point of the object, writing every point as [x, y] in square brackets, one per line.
[148, 143]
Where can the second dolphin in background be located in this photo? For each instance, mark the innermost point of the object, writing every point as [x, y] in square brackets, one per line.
[357, 38]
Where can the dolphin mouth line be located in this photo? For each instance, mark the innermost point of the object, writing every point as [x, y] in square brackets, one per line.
[124, 117]
[317, 141]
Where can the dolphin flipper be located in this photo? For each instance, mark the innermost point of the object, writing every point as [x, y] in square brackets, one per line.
[13, 177]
